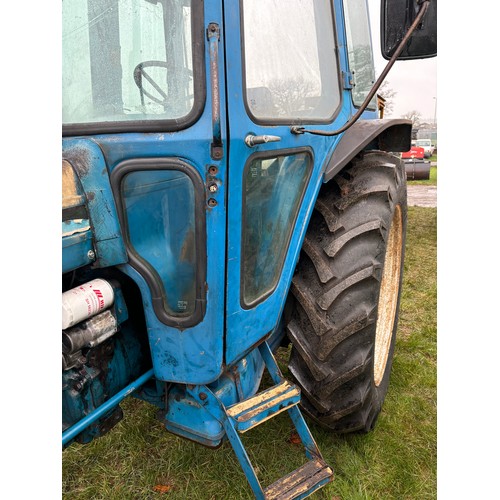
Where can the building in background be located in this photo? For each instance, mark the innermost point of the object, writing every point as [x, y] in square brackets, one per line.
[426, 130]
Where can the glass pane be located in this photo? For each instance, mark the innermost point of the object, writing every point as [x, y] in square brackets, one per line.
[273, 189]
[126, 60]
[290, 59]
[162, 235]
[359, 47]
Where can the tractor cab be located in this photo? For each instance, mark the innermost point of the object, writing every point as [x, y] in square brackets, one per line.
[203, 195]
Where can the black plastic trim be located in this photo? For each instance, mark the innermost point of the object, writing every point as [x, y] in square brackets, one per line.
[78, 212]
[140, 265]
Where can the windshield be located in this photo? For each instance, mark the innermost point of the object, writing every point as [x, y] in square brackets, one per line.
[127, 60]
[422, 143]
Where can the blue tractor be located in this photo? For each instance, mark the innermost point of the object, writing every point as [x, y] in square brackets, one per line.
[228, 188]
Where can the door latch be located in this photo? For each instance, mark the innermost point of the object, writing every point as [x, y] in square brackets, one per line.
[254, 140]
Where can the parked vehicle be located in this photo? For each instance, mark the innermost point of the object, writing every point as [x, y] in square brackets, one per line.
[414, 152]
[227, 189]
[427, 145]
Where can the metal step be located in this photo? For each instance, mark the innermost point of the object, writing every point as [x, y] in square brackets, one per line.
[300, 483]
[251, 412]
[245, 415]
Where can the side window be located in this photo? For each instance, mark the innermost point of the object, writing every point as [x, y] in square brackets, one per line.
[290, 66]
[360, 51]
[273, 189]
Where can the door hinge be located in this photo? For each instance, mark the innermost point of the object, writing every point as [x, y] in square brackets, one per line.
[348, 79]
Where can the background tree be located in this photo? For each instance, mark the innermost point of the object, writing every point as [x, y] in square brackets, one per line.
[413, 115]
[289, 96]
[388, 93]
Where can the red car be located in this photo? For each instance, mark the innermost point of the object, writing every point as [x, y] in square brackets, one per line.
[415, 152]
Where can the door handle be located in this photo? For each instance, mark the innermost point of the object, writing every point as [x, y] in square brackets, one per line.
[254, 140]
[213, 35]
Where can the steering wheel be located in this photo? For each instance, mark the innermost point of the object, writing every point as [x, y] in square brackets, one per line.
[140, 73]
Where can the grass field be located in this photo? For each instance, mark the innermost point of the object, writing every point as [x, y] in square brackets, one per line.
[138, 459]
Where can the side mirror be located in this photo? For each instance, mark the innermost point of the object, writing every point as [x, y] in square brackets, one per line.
[395, 19]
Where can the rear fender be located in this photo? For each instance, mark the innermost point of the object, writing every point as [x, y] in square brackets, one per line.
[383, 135]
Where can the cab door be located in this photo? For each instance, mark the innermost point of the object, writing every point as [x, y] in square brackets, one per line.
[282, 69]
[142, 130]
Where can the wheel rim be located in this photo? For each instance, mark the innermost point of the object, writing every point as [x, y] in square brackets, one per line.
[389, 292]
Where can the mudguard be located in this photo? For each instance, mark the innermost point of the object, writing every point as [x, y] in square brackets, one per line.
[383, 135]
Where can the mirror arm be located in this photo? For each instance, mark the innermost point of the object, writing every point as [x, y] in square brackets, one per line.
[301, 130]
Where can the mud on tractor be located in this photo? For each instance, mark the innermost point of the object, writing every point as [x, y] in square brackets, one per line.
[228, 188]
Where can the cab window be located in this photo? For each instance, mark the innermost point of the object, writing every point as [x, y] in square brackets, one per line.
[359, 47]
[291, 70]
[127, 60]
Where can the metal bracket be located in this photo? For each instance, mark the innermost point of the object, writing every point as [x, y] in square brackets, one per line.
[348, 80]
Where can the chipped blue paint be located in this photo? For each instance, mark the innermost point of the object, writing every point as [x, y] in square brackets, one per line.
[88, 161]
[187, 418]
[77, 242]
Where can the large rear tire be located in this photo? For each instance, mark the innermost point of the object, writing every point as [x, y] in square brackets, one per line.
[345, 294]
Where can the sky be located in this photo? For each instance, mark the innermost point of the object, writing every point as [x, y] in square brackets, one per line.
[414, 81]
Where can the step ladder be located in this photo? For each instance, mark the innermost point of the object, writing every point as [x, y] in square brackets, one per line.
[247, 414]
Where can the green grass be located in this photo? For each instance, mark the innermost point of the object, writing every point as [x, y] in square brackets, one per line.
[395, 461]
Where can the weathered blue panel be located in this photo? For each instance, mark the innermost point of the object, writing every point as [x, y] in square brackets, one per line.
[187, 418]
[193, 354]
[88, 161]
[77, 242]
[246, 326]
